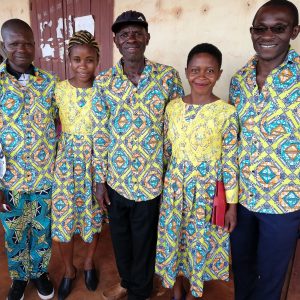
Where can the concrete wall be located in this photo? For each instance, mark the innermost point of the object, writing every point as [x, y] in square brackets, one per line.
[178, 25]
[14, 9]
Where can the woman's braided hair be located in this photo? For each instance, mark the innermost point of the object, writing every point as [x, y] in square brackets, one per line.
[83, 37]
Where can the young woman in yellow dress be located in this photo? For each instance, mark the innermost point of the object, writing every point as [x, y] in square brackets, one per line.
[74, 207]
[201, 148]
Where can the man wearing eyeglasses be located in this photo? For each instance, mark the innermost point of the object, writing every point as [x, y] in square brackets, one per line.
[266, 93]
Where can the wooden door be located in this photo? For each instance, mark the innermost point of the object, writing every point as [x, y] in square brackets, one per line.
[53, 23]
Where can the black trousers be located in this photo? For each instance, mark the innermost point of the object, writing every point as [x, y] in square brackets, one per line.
[262, 246]
[133, 227]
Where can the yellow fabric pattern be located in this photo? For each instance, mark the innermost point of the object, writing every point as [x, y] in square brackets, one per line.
[74, 108]
[27, 131]
[269, 149]
[199, 149]
[75, 209]
[204, 139]
[128, 138]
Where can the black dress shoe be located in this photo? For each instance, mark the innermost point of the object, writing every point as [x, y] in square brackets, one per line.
[91, 280]
[65, 287]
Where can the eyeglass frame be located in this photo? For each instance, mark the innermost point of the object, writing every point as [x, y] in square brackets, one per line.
[276, 29]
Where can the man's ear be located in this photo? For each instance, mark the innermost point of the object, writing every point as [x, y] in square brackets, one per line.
[295, 32]
[148, 37]
[3, 47]
[220, 73]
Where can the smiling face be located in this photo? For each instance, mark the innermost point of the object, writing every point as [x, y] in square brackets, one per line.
[83, 62]
[131, 41]
[272, 32]
[202, 73]
[19, 47]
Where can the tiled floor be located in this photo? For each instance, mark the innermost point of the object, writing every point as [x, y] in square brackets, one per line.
[104, 259]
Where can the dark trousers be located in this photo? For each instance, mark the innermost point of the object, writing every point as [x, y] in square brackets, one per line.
[262, 246]
[133, 227]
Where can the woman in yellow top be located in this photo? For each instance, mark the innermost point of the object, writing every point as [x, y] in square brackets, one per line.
[200, 147]
[74, 207]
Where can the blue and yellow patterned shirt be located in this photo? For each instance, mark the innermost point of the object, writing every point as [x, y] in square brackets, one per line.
[27, 131]
[128, 137]
[269, 147]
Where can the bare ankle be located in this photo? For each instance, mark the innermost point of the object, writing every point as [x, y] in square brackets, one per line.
[70, 272]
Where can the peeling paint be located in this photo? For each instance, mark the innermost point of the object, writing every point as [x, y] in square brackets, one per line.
[61, 51]
[59, 28]
[68, 26]
[43, 25]
[47, 50]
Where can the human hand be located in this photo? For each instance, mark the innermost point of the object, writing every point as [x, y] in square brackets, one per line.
[230, 218]
[102, 196]
[3, 206]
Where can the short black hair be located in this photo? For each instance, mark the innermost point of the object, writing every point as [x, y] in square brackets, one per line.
[14, 24]
[205, 48]
[282, 3]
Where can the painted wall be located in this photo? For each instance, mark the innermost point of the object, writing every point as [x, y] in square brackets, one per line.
[178, 25]
[14, 9]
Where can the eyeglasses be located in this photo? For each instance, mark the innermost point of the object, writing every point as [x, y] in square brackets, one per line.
[277, 29]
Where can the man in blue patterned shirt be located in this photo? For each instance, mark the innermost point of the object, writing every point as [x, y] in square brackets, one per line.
[266, 93]
[28, 138]
[128, 152]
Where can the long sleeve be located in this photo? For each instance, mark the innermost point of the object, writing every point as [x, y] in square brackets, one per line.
[177, 90]
[234, 91]
[229, 158]
[101, 137]
[167, 142]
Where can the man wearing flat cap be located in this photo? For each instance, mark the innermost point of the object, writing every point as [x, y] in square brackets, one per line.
[128, 107]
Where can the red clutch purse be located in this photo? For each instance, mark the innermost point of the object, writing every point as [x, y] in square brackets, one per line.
[219, 205]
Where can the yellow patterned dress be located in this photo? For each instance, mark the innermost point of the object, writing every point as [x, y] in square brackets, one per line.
[201, 147]
[74, 207]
